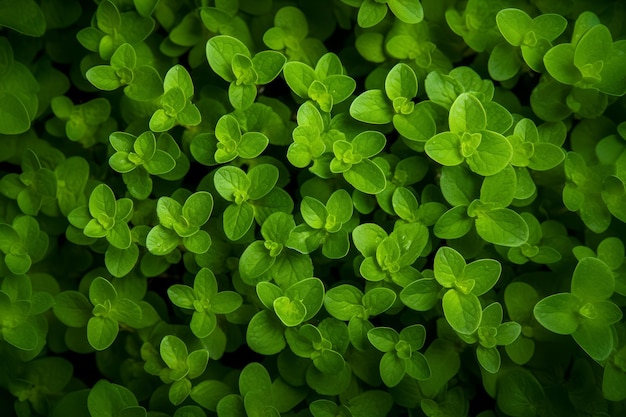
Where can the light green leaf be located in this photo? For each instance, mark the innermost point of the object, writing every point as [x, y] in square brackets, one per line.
[401, 82]
[462, 311]
[502, 227]
[101, 332]
[558, 313]
[372, 106]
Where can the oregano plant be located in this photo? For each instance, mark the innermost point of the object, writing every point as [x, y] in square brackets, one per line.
[330, 208]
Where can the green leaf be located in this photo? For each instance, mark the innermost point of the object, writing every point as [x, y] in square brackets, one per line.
[383, 338]
[241, 96]
[101, 291]
[449, 266]
[268, 64]
[489, 358]
[262, 179]
[179, 390]
[596, 340]
[513, 24]
[499, 188]
[106, 399]
[502, 227]
[371, 13]
[161, 241]
[372, 106]
[252, 144]
[343, 302]
[237, 220]
[120, 262]
[366, 177]
[559, 62]
[401, 82]
[72, 308]
[310, 291]
[290, 312]
[265, 333]
[231, 181]
[558, 313]
[299, 77]
[174, 353]
[178, 77]
[220, 51]
[592, 280]
[104, 77]
[268, 292]
[492, 155]
[25, 17]
[101, 332]
[467, 114]
[379, 300]
[146, 84]
[408, 11]
[445, 148]
[203, 323]
[421, 295]
[209, 393]
[255, 261]
[102, 202]
[454, 223]
[181, 295]
[485, 273]
[462, 311]
[198, 208]
[392, 369]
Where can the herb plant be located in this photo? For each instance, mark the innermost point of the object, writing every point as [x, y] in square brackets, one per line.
[324, 208]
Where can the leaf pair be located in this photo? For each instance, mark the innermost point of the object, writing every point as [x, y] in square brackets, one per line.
[491, 333]
[463, 282]
[396, 105]
[326, 85]
[103, 312]
[141, 83]
[324, 225]
[18, 87]
[181, 223]
[532, 37]
[205, 301]
[591, 61]
[494, 222]
[231, 60]
[472, 138]
[22, 243]
[113, 28]
[352, 160]
[252, 195]
[84, 123]
[269, 258]
[308, 342]
[298, 303]
[289, 35]
[104, 216]
[22, 324]
[312, 137]
[348, 303]
[401, 356]
[586, 312]
[138, 157]
[372, 12]
[175, 103]
[182, 366]
[390, 257]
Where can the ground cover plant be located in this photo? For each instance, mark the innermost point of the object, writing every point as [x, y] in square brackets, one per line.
[355, 208]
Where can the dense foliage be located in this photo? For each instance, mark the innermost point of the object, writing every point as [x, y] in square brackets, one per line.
[324, 208]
